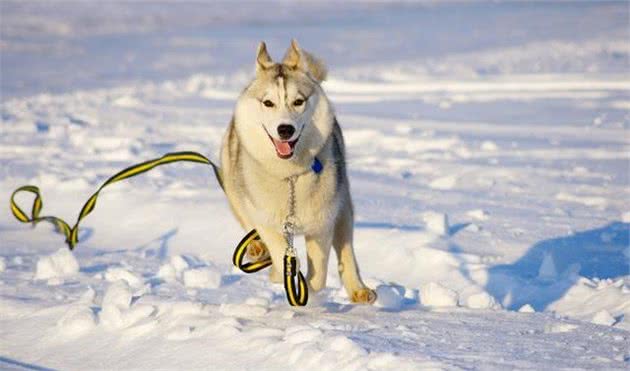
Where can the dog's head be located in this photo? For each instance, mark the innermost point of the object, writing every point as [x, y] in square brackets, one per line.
[283, 115]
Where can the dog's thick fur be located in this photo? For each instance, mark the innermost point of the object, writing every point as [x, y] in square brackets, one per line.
[254, 173]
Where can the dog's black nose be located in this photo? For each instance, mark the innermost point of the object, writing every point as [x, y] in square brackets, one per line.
[285, 131]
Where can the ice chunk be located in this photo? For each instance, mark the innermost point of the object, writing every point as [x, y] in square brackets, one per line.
[167, 272]
[603, 317]
[78, 319]
[482, 300]
[179, 263]
[116, 309]
[173, 270]
[88, 296]
[117, 273]
[118, 295]
[489, 146]
[435, 295]
[111, 317]
[478, 214]
[472, 227]
[527, 309]
[388, 297]
[206, 277]
[60, 264]
[436, 222]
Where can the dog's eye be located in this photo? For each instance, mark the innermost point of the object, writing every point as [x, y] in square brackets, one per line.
[268, 103]
[298, 102]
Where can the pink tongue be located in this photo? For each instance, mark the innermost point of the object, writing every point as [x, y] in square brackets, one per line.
[283, 148]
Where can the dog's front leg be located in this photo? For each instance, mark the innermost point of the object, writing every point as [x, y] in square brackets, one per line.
[318, 250]
[276, 244]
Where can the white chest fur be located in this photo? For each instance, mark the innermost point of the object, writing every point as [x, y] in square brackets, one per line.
[316, 200]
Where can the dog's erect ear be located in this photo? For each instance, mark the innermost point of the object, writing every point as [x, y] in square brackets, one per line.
[263, 60]
[293, 57]
[300, 59]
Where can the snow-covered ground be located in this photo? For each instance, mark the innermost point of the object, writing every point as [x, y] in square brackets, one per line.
[489, 159]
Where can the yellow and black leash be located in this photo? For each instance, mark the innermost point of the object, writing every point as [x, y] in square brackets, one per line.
[72, 233]
[296, 296]
[60, 225]
[239, 254]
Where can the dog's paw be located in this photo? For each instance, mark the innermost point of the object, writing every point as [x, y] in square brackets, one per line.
[257, 251]
[364, 296]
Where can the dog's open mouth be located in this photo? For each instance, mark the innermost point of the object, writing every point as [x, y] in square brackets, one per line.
[284, 149]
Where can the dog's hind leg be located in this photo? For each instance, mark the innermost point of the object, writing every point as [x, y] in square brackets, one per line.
[318, 251]
[347, 264]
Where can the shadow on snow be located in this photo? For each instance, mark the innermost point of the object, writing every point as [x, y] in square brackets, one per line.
[551, 267]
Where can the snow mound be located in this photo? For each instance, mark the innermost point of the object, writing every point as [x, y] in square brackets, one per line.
[78, 320]
[389, 297]
[478, 214]
[482, 300]
[436, 222]
[117, 311]
[114, 274]
[193, 275]
[603, 318]
[88, 297]
[243, 310]
[205, 277]
[60, 264]
[118, 295]
[435, 295]
[343, 344]
[173, 270]
[604, 296]
[527, 309]
[301, 334]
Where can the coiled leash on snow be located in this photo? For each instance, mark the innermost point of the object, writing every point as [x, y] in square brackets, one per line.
[295, 296]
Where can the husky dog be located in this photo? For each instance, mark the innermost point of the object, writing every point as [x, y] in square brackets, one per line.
[283, 124]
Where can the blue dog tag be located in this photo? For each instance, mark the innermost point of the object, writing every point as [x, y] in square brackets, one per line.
[317, 166]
